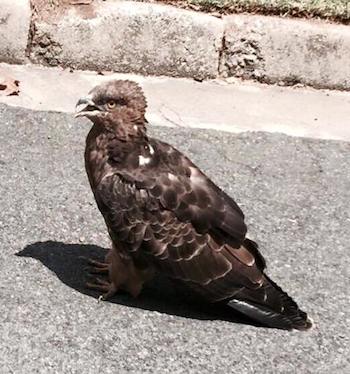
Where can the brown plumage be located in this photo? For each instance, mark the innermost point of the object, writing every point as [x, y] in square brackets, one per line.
[163, 214]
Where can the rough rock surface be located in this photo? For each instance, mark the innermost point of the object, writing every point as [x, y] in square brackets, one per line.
[14, 28]
[273, 50]
[127, 37]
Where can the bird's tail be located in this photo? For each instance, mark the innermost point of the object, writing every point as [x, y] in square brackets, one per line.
[271, 306]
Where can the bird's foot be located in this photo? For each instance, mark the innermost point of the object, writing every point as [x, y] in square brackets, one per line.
[98, 284]
[97, 267]
[102, 285]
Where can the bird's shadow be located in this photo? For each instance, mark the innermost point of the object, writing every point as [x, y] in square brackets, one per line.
[69, 262]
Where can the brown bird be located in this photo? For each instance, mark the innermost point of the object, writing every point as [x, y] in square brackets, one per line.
[165, 215]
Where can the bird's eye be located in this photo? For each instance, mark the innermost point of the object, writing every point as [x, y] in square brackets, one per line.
[111, 104]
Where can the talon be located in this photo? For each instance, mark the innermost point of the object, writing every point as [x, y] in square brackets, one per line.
[97, 270]
[97, 264]
[99, 282]
[107, 288]
[99, 287]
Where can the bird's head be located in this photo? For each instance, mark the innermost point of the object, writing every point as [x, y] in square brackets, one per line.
[117, 105]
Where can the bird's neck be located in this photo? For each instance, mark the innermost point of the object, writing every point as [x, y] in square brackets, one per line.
[129, 127]
[107, 150]
[131, 133]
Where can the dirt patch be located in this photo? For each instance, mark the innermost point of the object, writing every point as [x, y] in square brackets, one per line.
[46, 50]
[242, 59]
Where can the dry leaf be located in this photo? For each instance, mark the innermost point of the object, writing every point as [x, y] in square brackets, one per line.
[8, 85]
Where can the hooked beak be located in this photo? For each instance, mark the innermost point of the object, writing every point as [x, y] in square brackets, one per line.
[86, 107]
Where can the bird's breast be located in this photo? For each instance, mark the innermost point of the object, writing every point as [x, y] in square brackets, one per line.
[96, 159]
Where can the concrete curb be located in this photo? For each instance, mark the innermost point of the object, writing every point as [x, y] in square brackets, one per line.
[132, 37]
[154, 39]
[272, 50]
[15, 19]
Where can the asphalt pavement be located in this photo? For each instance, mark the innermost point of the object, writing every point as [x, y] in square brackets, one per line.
[295, 193]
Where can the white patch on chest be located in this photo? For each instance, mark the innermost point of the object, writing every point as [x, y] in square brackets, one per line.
[195, 177]
[172, 177]
[144, 160]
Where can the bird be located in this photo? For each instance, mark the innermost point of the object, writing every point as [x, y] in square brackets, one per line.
[165, 216]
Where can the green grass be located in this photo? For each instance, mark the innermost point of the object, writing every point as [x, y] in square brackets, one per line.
[337, 10]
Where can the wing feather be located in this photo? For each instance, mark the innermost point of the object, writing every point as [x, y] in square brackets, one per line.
[181, 187]
[176, 246]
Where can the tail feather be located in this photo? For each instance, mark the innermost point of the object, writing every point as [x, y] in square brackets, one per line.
[271, 306]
